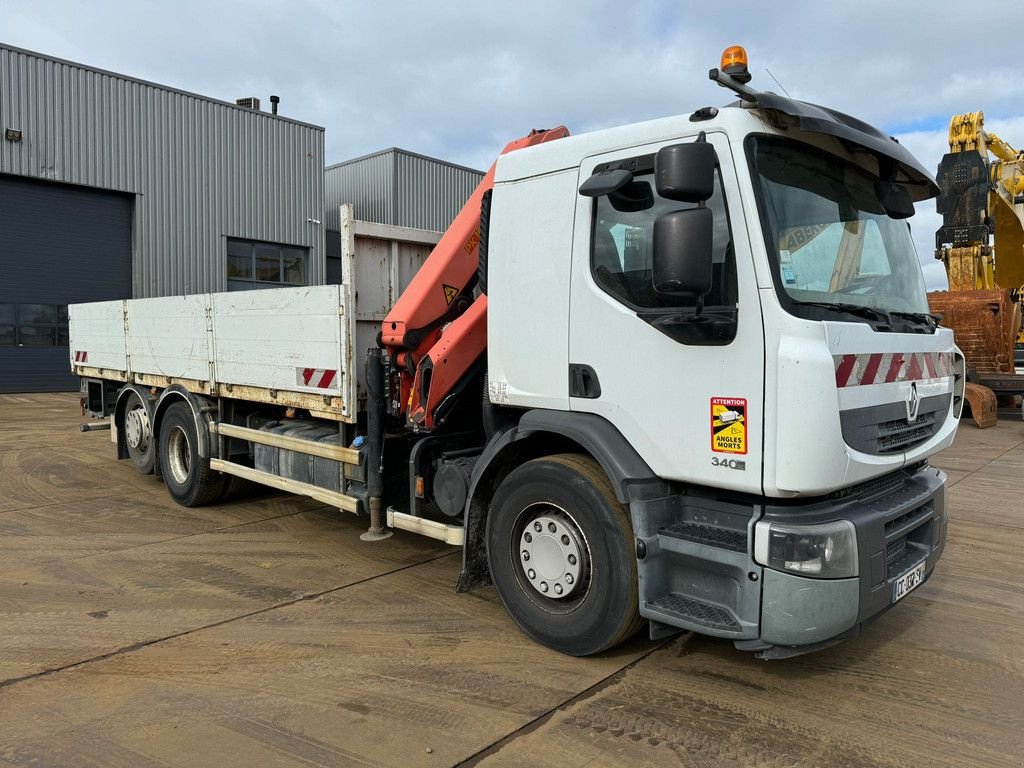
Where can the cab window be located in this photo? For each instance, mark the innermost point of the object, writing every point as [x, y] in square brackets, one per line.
[622, 246]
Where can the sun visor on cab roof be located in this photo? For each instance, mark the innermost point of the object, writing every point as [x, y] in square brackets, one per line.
[896, 164]
[817, 119]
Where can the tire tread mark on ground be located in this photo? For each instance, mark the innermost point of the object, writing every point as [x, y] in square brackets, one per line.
[202, 533]
[146, 643]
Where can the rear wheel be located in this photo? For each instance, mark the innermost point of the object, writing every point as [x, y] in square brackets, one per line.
[560, 549]
[138, 435]
[187, 475]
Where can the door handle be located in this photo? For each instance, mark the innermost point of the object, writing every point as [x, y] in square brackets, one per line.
[583, 381]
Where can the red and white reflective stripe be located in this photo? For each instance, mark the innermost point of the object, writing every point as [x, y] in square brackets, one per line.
[81, 357]
[884, 368]
[321, 378]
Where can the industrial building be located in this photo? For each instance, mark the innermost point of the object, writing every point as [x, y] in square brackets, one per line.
[112, 187]
[396, 187]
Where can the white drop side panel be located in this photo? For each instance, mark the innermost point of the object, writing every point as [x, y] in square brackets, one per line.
[287, 339]
[170, 336]
[97, 331]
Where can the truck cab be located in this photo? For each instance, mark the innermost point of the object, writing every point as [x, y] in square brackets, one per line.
[777, 420]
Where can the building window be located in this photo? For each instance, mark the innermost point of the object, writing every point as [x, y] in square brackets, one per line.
[253, 265]
[33, 325]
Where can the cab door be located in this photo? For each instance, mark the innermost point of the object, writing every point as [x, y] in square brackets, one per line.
[686, 391]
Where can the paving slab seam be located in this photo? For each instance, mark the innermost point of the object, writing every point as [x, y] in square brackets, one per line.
[538, 722]
[4, 684]
[986, 464]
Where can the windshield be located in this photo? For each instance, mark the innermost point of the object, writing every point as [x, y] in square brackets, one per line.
[833, 243]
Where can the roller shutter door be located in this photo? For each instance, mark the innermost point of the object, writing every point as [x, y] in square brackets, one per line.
[59, 245]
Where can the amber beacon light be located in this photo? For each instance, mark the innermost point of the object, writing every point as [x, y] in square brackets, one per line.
[734, 63]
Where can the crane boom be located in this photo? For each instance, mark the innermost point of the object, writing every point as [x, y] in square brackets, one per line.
[437, 328]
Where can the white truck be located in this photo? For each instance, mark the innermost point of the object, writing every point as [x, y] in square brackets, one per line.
[679, 373]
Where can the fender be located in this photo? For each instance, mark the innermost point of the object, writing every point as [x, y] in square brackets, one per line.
[200, 407]
[120, 406]
[631, 477]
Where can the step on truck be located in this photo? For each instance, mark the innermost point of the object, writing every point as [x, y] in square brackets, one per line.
[679, 373]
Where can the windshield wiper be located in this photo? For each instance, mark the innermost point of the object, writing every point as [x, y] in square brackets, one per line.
[852, 309]
[932, 321]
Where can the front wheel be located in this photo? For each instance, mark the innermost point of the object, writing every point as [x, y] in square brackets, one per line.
[561, 554]
[187, 475]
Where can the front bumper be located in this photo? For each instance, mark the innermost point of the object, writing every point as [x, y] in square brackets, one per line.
[697, 572]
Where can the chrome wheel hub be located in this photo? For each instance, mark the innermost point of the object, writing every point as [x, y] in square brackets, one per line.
[179, 455]
[136, 429]
[553, 553]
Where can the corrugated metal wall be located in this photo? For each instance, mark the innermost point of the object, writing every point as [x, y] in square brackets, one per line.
[201, 170]
[400, 188]
[368, 183]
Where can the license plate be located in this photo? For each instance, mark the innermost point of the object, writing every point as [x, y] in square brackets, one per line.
[906, 583]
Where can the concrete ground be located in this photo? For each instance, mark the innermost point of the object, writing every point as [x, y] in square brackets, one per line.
[134, 632]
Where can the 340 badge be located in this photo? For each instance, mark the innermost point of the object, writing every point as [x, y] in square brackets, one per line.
[729, 425]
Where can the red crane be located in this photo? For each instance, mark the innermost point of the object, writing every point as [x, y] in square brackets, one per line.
[437, 329]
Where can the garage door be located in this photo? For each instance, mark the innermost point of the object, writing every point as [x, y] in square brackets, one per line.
[59, 245]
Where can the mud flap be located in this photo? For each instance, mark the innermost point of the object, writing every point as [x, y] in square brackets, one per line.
[982, 402]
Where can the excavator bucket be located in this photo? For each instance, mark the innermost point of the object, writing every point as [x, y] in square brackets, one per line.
[982, 402]
[985, 324]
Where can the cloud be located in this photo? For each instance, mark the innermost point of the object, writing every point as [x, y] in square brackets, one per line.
[458, 80]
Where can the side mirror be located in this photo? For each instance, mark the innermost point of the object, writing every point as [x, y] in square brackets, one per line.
[685, 172]
[895, 199]
[683, 252]
[605, 182]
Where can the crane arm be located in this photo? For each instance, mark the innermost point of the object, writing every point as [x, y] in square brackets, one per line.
[437, 329]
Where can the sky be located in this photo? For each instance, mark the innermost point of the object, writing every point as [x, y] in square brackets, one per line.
[458, 80]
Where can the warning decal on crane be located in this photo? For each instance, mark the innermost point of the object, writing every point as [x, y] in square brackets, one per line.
[450, 292]
[729, 424]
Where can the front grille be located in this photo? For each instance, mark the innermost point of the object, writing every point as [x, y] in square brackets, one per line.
[895, 549]
[908, 540]
[884, 429]
[899, 435]
[880, 486]
[897, 523]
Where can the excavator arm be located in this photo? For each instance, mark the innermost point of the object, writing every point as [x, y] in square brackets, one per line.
[981, 198]
[437, 330]
[981, 244]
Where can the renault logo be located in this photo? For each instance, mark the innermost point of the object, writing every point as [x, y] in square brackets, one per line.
[913, 403]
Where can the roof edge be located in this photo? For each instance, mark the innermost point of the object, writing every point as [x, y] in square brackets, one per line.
[151, 84]
[400, 151]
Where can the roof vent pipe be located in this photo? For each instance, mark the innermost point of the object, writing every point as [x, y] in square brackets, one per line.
[274, 101]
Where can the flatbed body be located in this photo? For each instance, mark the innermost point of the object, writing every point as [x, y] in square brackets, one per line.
[306, 357]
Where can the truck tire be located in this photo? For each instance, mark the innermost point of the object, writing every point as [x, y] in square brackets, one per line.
[138, 433]
[561, 553]
[187, 475]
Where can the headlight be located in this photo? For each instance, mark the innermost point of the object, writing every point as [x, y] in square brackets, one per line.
[825, 551]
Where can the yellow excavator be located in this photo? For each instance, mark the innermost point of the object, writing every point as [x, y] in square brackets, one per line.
[981, 245]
